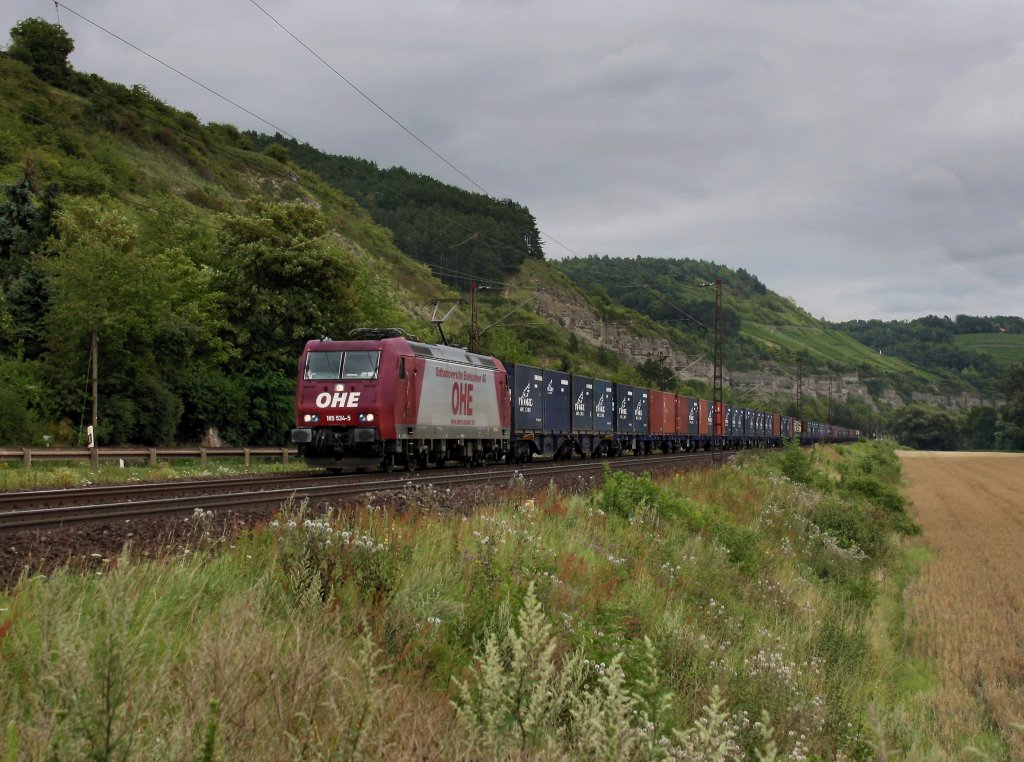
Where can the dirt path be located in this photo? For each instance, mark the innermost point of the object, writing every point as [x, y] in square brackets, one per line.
[965, 612]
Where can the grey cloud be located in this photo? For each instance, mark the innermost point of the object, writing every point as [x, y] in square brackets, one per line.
[864, 158]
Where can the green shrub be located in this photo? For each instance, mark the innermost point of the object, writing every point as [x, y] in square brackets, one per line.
[796, 464]
[851, 526]
[622, 493]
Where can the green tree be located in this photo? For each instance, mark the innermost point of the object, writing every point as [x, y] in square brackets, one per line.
[286, 279]
[979, 428]
[1010, 428]
[656, 373]
[156, 317]
[25, 225]
[45, 47]
[926, 428]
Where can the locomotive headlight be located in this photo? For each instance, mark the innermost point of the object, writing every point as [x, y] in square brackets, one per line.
[365, 417]
[311, 418]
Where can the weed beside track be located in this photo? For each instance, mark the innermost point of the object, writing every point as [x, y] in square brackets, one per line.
[724, 613]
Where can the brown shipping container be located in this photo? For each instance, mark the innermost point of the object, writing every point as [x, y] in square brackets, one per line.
[662, 419]
[682, 412]
[702, 422]
[776, 425]
[668, 404]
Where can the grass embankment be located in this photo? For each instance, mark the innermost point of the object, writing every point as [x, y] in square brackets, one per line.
[711, 616]
[15, 477]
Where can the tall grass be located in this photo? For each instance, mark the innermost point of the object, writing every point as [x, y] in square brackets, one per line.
[707, 616]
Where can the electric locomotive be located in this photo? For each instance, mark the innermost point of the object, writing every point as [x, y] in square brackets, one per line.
[382, 399]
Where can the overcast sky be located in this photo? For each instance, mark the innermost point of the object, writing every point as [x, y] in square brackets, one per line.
[865, 157]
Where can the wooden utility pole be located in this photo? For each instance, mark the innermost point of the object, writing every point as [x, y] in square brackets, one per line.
[94, 353]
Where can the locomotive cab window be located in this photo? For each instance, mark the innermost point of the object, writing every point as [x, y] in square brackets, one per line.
[322, 365]
[360, 365]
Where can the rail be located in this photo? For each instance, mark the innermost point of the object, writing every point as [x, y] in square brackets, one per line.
[146, 455]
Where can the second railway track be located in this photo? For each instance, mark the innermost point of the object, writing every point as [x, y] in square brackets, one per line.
[56, 508]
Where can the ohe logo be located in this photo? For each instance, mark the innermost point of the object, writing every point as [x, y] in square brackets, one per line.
[338, 399]
[462, 399]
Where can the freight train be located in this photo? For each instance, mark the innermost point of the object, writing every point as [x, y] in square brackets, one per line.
[383, 399]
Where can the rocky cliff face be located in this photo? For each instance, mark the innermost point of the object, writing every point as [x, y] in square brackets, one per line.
[576, 316]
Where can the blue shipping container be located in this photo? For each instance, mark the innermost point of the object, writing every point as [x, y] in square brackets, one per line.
[624, 420]
[527, 399]
[641, 411]
[582, 404]
[604, 406]
[557, 402]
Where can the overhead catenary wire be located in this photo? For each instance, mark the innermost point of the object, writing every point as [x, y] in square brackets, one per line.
[394, 119]
[176, 71]
[444, 272]
[374, 103]
[179, 130]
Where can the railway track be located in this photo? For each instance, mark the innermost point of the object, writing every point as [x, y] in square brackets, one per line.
[52, 509]
[24, 499]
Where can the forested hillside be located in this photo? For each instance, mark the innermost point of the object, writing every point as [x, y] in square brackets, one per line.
[461, 235]
[198, 259]
[200, 264]
[975, 348]
[760, 327]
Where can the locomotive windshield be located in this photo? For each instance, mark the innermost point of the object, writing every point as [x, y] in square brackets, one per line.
[360, 365]
[326, 365]
[332, 366]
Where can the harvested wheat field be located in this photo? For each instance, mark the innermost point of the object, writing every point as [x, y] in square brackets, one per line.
[965, 612]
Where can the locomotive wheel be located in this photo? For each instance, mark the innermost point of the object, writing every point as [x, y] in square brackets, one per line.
[410, 463]
[388, 464]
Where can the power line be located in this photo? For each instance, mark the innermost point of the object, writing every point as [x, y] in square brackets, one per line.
[178, 129]
[394, 119]
[376, 105]
[176, 71]
[262, 119]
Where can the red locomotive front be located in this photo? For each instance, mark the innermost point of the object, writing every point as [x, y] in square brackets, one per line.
[382, 399]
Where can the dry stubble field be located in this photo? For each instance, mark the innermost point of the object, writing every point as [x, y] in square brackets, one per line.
[965, 612]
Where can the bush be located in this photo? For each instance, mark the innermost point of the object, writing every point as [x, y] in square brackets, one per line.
[622, 493]
[871, 488]
[796, 464]
[851, 526]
